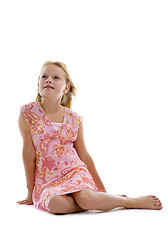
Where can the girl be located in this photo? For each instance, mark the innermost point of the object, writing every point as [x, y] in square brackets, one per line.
[60, 173]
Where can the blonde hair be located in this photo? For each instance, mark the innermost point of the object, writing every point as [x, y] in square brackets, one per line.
[67, 98]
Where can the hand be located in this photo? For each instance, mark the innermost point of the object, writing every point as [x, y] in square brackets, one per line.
[28, 200]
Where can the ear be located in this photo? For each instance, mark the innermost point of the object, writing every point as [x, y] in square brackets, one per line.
[68, 87]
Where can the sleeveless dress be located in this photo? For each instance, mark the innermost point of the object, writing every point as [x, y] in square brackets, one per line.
[58, 168]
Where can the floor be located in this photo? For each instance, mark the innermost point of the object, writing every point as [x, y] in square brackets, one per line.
[27, 222]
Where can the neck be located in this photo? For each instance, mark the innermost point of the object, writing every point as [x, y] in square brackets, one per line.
[50, 106]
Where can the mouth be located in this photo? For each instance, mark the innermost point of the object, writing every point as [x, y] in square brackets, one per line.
[49, 87]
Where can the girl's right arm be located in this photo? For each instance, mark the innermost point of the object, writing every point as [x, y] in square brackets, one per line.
[28, 154]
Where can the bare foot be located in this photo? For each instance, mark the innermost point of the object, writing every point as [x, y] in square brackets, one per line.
[145, 202]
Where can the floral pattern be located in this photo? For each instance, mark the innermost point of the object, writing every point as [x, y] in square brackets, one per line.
[59, 170]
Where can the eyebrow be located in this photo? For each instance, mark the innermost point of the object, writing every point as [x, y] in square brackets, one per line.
[54, 74]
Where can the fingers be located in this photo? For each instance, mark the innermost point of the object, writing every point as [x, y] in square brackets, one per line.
[26, 201]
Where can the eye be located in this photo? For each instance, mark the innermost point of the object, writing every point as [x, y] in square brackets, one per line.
[43, 76]
[56, 77]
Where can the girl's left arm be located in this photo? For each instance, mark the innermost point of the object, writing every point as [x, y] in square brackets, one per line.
[92, 169]
[79, 145]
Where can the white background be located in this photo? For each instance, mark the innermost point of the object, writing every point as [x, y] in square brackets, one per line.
[117, 56]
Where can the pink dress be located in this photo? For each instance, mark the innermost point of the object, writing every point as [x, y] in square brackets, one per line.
[58, 170]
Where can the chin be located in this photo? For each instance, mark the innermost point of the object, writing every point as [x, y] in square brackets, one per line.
[50, 97]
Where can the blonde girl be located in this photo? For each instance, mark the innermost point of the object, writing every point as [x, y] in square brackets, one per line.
[60, 173]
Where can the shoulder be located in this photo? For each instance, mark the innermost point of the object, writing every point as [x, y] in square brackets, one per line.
[77, 118]
[25, 130]
[29, 106]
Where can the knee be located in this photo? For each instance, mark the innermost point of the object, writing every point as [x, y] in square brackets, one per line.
[85, 199]
[57, 205]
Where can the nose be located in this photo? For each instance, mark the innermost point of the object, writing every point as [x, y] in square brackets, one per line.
[48, 80]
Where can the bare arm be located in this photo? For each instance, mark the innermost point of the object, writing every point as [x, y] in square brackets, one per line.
[28, 154]
[92, 169]
[80, 147]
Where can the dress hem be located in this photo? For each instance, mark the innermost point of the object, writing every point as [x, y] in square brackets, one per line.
[50, 196]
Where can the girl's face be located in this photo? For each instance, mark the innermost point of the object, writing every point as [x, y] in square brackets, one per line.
[52, 83]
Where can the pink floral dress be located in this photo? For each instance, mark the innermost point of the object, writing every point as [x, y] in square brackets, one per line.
[58, 170]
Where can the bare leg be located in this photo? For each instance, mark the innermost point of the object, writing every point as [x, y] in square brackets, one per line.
[64, 204]
[87, 199]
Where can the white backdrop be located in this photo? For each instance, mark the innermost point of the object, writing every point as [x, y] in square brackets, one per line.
[117, 56]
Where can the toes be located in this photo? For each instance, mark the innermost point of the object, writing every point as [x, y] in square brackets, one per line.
[158, 205]
[153, 196]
